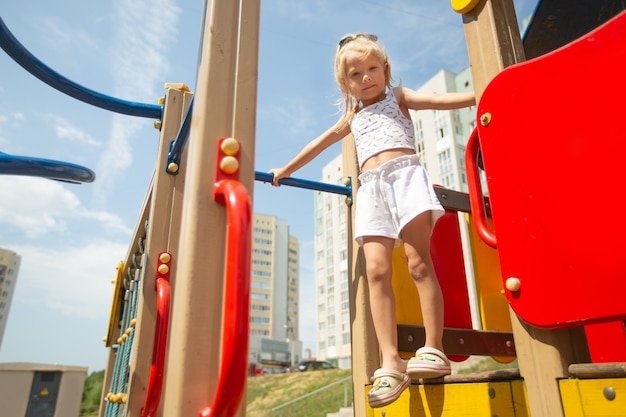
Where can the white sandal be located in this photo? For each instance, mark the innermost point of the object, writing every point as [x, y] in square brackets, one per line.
[388, 385]
[428, 363]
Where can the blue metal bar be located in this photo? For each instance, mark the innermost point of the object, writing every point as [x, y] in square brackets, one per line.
[176, 147]
[310, 185]
[46, 168]
[46, 74]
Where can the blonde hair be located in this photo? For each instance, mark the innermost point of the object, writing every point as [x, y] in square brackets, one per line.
[366, 45]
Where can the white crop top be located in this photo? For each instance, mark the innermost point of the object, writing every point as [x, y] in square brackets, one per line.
[379, 127]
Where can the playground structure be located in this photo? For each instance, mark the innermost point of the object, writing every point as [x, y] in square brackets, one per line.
[551, 294]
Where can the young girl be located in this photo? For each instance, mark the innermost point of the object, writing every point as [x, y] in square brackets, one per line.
[395, 201]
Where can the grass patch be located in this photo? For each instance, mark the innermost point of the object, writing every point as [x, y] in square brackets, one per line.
[269, 391]
[487, 364]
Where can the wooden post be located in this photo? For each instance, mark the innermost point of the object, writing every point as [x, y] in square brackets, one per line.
[365, 351]
[493, 40]
[161, 207]
[494, 43]
[162, 210]
[224, 106]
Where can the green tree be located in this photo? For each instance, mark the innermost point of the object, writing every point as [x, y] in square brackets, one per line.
[92, 394]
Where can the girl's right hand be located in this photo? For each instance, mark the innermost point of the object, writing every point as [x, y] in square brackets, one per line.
[278, 174]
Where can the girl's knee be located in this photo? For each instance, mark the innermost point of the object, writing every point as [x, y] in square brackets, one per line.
[419, 271]
[377, 272]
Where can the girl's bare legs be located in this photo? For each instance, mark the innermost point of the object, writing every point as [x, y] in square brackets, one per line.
[377, 252]
[416, 237]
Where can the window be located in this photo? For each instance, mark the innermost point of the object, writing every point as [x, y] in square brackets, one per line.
[259, 320]
[263, 241]
[261, 274]
[445, 162]
[345, 301]
[261, 285]
[257, 296]
[343, 276]
[331, 323]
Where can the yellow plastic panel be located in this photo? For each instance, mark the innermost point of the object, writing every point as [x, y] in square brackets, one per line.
[494, 307]
[591, 397]
[116, 305]
[504, 399]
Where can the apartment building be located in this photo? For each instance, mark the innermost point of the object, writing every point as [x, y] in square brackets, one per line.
[274, 338]
[331, 271]
[441, 135]
[9, 268]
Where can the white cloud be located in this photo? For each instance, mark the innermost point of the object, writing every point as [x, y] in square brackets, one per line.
[117, 155]
[144, 30]
[109, 221]
[38, 206]
[76, 281]
[67, 131]
[12, 118]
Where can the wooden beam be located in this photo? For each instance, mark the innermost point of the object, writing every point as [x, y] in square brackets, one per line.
[163, 201]
[365, 351]
[224, 106]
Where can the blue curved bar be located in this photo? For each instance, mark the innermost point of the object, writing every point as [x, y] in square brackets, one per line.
[46, 74]
[310, 185]
[46, 168]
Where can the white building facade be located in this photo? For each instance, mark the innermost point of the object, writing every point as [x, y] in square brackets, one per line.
[9, 268]
[441, 135]
[331, 271]
[274, 338]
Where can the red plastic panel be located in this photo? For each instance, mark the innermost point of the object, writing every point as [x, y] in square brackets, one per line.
[607, 341]
[447, 255]
[554, 150]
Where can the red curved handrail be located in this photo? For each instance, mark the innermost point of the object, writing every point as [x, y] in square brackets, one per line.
[475, 191]
[232, 374]
[155, 383]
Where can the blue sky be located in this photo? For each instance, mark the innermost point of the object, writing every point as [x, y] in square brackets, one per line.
[71, 237]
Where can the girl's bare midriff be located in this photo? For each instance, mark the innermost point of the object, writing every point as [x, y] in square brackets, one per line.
[384, 156]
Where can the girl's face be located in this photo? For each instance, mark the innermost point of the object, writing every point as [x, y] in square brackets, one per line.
[365, 76]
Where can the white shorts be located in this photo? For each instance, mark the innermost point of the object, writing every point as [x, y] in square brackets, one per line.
[392, 195]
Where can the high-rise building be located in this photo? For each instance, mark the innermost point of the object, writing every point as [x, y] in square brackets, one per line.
[441, 138]
[274, 339]
[331, 271]
[9, 268]
[441, 135]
